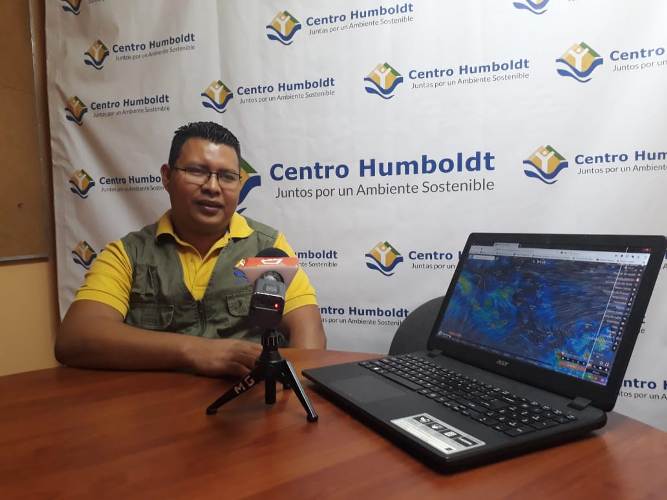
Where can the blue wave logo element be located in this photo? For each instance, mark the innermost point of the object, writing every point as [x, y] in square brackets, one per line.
[250, 179]
[538, 8]
[383, 80]
[96, 55]
[217, 96]
[283, 27]
[579, 62]
[83, 254]
[383, 258]
[250, 184]
[81, 183]
[545, 164]
[72, 6]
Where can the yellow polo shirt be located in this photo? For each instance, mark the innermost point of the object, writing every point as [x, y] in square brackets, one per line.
[109, 279]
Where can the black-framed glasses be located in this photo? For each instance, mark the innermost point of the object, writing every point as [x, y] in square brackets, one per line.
[200, 176]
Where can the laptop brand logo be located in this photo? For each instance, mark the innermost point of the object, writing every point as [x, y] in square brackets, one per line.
[502, 362]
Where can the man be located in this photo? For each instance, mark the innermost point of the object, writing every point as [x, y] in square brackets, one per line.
[166, 297]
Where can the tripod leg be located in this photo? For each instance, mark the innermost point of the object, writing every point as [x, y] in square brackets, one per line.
[288, 375]
[248, 382]
[270, 390]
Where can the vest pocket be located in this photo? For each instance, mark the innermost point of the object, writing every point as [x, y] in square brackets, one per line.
[145, 283]
[151, 316]
[229, 323]
[238, 304]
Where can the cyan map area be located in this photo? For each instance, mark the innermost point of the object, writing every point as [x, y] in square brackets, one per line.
[534, 309]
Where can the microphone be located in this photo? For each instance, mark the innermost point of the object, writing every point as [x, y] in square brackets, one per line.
[271, 252]
[271, 271]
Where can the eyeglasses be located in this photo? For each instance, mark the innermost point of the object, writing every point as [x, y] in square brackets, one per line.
[201, 176]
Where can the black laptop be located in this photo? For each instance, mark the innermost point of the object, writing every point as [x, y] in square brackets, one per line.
[528, 350]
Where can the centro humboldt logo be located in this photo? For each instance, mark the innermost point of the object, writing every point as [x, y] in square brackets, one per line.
[81, 183]
[539, 7]
[383, 80]
[383, 258]
[83, 254]
[283, 27]
[217, 96]
[96, 55]
[580, 61]
[75, 110]
[545, 164]
[72, 6]
[250, 179]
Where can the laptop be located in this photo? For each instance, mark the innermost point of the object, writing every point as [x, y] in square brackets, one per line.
[528, 350]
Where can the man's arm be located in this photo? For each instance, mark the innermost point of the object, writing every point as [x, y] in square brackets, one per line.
[93, 335]
[302, 321]
[304, 328]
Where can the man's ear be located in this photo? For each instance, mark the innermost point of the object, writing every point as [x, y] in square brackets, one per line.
[165, 173]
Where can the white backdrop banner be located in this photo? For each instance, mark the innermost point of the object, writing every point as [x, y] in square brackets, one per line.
[376, 135]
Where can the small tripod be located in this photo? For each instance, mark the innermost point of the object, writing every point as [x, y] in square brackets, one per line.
[269, 367]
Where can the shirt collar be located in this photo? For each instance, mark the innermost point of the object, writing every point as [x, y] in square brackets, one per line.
[238, 229]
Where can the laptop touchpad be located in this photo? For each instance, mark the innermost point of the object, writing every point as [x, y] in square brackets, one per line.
[366, 389]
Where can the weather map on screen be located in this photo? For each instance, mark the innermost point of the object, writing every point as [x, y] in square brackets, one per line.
[560, 309]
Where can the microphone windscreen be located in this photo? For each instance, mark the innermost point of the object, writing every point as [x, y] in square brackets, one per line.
[272, 252]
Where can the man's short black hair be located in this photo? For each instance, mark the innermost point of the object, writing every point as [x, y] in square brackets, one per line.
[211, 131]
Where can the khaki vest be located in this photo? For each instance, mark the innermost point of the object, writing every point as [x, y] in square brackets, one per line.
[159, 300]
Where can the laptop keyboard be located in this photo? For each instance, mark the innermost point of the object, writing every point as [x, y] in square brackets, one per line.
[485, 403]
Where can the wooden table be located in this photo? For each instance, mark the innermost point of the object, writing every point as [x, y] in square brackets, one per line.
[67, 433]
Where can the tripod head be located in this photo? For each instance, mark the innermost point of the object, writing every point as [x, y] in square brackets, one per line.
[271, 368]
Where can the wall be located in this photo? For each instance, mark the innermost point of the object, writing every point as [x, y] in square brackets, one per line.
[29, 316]
[27, 289]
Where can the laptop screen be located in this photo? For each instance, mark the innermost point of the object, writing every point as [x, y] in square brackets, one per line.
[562, 309]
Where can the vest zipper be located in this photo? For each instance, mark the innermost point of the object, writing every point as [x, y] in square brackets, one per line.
[202, 316]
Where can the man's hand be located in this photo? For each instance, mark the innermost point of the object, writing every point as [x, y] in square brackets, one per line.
[213, 358]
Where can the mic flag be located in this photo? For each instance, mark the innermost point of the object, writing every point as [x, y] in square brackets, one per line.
[269, 263]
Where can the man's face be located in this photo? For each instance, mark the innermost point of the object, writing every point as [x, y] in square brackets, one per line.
[202, 210]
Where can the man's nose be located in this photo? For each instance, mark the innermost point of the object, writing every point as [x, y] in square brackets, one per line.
[212, 183]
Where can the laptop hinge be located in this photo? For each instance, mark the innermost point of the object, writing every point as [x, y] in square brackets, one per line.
[432, 353]
[579, 403]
